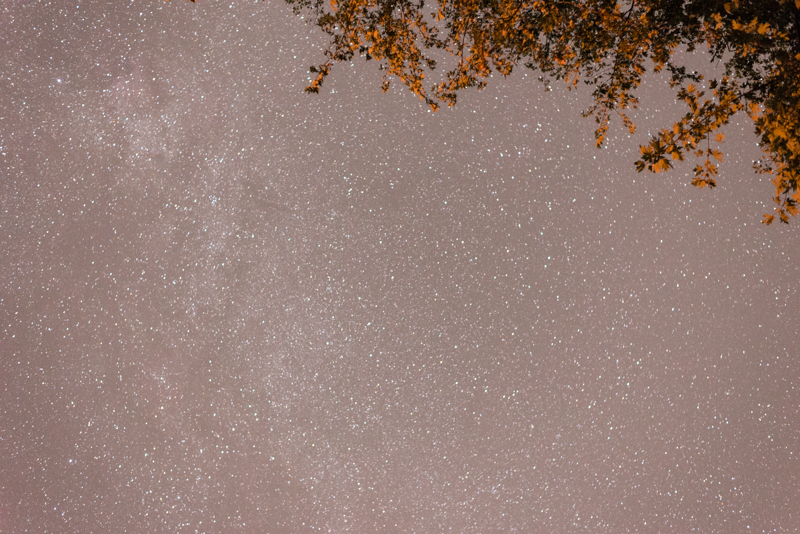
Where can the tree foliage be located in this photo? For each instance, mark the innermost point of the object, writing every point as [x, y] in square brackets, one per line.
[608, 45]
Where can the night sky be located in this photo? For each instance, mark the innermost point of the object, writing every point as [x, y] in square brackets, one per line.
[231, 307]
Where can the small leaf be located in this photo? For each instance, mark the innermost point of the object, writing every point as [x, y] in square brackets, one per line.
[768, 218]
[720, 137]
[780, 131]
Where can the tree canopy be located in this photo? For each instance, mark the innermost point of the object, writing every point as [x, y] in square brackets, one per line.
[608, 45]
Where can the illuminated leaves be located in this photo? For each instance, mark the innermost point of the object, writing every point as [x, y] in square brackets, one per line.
[606, 45]
[321, 72]
[703, 119]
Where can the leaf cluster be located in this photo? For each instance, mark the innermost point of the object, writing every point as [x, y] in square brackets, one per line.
[608, 45]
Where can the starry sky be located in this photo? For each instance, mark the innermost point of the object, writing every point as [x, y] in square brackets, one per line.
[228, 306]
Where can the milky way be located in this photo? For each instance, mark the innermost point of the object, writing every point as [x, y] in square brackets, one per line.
[229, 306]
